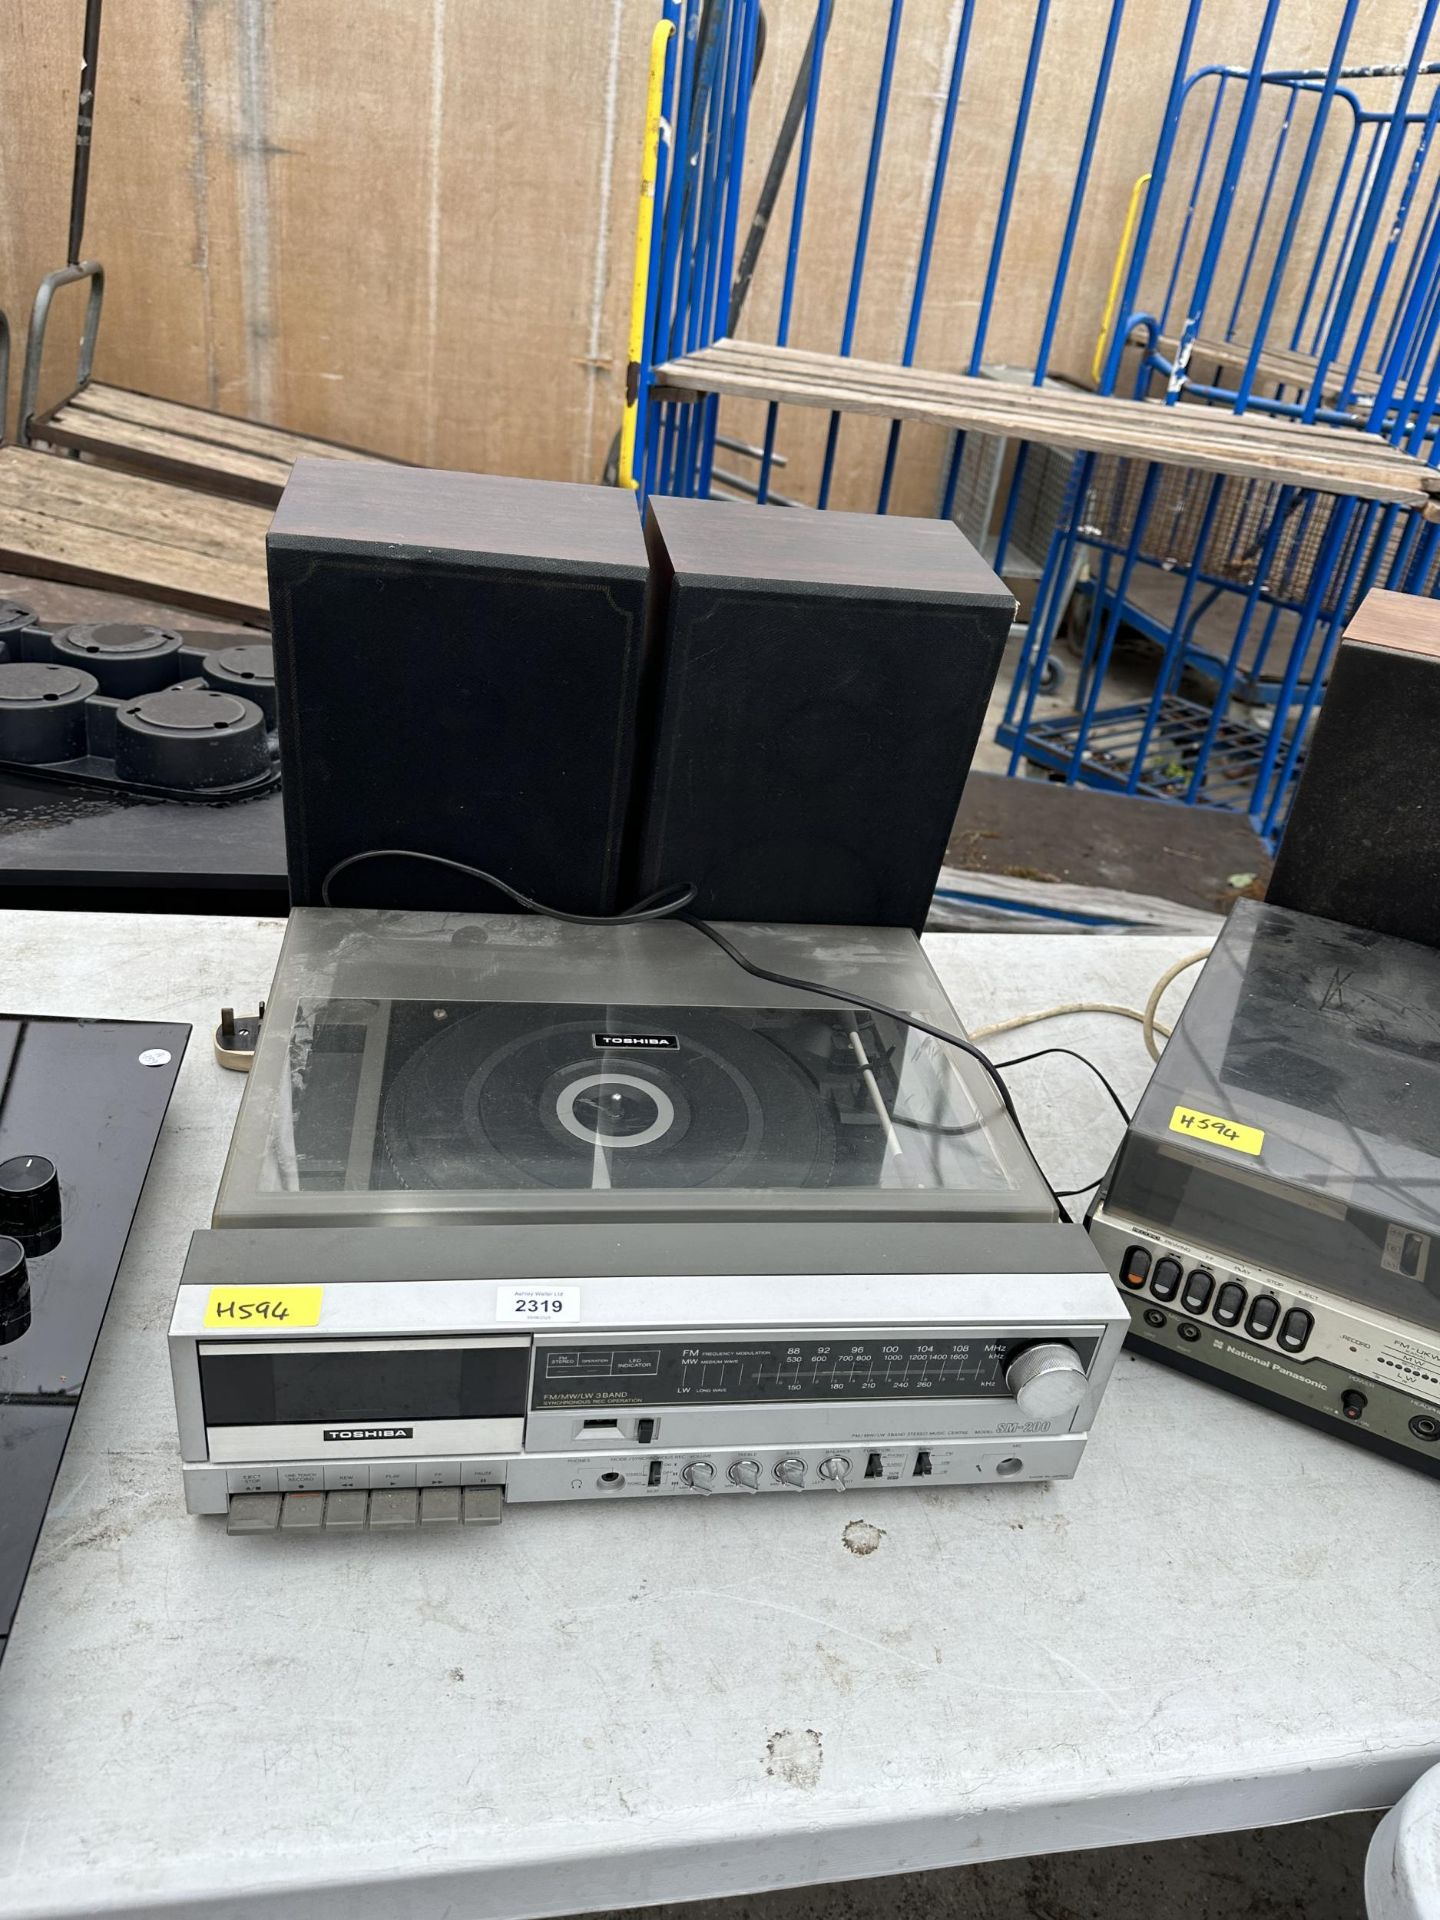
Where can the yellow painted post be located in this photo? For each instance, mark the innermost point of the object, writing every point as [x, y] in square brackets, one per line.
[1122, 260]
[644, 227]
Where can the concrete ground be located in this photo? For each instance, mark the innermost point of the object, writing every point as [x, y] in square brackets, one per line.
[1310, 1872]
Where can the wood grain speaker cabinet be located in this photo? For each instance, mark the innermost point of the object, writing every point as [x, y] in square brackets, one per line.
[458, 662]
[1362, 844]
[820, 680]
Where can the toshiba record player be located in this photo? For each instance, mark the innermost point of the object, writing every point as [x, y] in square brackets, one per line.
[526, 1210]
[1273, 1215]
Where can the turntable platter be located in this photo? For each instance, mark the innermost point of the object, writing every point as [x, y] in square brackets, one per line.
[534, 1097]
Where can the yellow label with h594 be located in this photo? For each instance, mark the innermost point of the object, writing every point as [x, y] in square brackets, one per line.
[1217, 1130]
[229, 1308]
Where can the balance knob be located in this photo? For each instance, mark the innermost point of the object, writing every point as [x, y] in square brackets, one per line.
[1046, 1380]
[836, 1470]
[791, 1472]
[699, 1474]
[30, 1201]
[746, 1474]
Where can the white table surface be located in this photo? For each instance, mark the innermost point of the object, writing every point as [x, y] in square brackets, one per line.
[1225, 1620]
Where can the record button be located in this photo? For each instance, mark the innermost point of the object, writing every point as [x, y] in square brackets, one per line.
[1230, 1304]
[1165, 1281]
[1135, 1267]
[1295, 1329]
[1264, 1312]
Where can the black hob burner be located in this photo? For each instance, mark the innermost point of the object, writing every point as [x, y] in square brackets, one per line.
[81, 1107]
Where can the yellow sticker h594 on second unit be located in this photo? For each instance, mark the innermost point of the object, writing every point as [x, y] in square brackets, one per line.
[1217, 1130]
[230, 1308]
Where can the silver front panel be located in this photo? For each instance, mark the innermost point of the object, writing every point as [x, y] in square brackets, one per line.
[617, 1476]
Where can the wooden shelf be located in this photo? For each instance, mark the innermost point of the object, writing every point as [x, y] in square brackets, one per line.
[1336, 460]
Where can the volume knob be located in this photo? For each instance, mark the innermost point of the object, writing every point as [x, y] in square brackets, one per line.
[699, 1474]
[14, 1290]
[30, 1201]
[1047, 1380]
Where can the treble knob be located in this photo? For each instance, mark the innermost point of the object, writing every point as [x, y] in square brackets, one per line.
[746, 1474]
[1047, 1380]
[30, 1201]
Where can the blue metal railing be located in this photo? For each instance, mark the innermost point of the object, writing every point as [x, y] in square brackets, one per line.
[1299, 206]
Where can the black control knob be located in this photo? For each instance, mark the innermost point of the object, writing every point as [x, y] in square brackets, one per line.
[14, 1290]
[30, 1201]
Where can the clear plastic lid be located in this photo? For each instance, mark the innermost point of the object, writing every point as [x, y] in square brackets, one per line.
[1294, 1116]
[498, 1066]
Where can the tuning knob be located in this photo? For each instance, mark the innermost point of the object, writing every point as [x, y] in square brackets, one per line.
[14, 1290]
[30, 1201]
[836, 1470]
[746, 1474]
[791, 1472]
[1047, 1380]
[699, 1474]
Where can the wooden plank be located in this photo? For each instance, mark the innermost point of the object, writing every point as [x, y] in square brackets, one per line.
[63, 520]
[190, 446]
[60, 603]
[1329, 459]
[1132, 430]
[162, 456]
[1075, 403]
[208, 427]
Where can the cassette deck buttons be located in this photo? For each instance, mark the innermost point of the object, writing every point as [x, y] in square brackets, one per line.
[1264, 1312]
[1135, 1267]
[1198, 1289]
[395, 1507]
[1230, 1304]
[1295, 1330]
[1165, 1281]
[252, 1480]
[253, 1513]
[302, 1512]
[346, 1509]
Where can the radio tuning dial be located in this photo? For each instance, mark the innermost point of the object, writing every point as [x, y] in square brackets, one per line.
[746, 1474]
[699, 1474]
[791, 1472]
[836, 1470]
[1047, 1380]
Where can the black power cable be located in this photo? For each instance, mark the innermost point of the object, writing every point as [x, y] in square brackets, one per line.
[655, 906]
[669, 904]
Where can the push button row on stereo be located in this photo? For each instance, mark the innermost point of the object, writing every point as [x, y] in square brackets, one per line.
[1164, 1276]
[336, 1476]
[349, 1509]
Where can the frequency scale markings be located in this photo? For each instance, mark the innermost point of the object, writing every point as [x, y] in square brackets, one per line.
[719, 1371]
